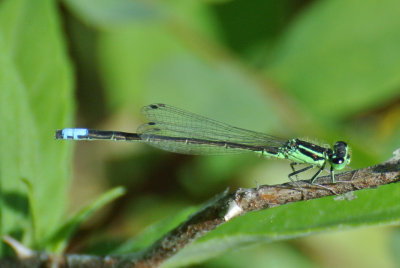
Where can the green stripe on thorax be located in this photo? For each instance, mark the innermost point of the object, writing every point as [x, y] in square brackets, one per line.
[304, 152]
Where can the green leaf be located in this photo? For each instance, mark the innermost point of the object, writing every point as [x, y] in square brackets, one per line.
[261, 256]
[35, 100]
[106, 14]
[371, 207]
[340, 57]
[154, 232]
[16, 125]
[58, 241]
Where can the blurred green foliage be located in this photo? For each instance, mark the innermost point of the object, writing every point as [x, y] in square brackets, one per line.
[35, 96]
[327, 70]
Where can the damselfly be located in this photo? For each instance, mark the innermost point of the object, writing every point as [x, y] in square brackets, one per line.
[176, 130]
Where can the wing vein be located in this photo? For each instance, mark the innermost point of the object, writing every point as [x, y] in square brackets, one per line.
[176, 130]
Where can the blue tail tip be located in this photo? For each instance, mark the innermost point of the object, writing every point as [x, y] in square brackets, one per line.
[71, 133]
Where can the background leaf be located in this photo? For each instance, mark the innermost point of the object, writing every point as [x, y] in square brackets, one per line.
[58, 241]
[35, 98]
[346, 57]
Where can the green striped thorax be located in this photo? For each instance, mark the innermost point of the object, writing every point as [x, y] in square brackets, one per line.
[339, 157]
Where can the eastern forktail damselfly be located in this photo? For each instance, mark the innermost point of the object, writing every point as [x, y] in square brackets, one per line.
[176, 130]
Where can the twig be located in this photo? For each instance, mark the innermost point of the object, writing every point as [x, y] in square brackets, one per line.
[221, 210]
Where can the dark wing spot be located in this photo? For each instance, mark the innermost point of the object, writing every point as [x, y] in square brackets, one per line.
[156, 106]
[151, 123]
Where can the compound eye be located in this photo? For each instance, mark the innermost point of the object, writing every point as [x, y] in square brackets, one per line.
[340, 144]
[338, 160]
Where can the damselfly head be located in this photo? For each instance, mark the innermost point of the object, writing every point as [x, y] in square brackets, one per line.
[341, 155]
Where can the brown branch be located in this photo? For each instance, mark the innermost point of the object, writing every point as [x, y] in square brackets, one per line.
[223, 209]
